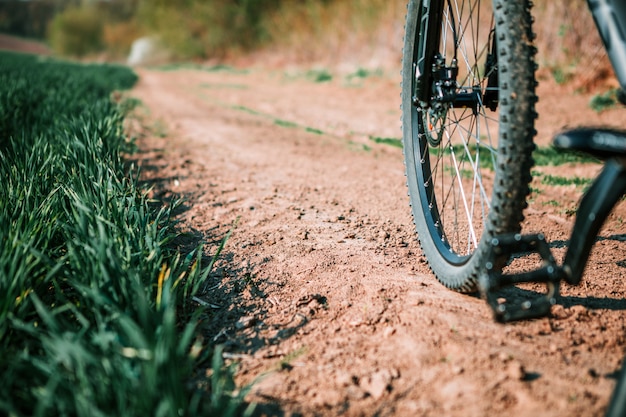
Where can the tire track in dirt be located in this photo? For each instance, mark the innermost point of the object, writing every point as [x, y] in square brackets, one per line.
[322, 288]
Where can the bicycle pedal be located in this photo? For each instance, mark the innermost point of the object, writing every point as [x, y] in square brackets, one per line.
[492, 281]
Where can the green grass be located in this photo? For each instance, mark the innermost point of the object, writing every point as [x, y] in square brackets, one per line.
[277, 121]
[485, 157]
[319, 75]
[544, 156]
[397, 143]
[550, 156]
[558, 180]
[96, 310]
[248, 110]
[605, 101]
[561, 75]
[225, 68]
[361, 74]
[314, 130]
[285, 123]
[365, 73]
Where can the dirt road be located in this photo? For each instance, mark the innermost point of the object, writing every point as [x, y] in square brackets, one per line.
[322, 287]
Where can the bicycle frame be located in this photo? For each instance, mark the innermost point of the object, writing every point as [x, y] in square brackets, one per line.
[610, 19]
[423, 72]
[597, 202]
[595, 206]
[435, 90]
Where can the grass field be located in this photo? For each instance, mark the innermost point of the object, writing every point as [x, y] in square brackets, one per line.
[96, 313]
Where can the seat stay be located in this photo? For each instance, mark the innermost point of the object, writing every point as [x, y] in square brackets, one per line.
[595, 206]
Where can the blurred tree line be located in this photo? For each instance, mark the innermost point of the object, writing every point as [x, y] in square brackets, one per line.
[308, 29]
[72, 27]
[30, 18]
[26, 18]
[196, 28]
[191, 28]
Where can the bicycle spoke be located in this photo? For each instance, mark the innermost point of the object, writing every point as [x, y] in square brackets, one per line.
[455, 127]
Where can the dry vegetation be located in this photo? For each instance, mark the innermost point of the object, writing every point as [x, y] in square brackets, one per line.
[328, 33]
[570, 49]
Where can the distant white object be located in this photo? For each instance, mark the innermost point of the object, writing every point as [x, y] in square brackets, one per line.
[144, 50]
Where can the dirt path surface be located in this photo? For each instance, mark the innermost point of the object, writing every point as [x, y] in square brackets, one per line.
[12, 43]
[322, 288]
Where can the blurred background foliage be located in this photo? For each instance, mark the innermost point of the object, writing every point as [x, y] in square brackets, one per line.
[299, 31]
[76, 31]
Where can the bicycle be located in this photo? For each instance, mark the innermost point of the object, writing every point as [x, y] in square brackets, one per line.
[468, 111]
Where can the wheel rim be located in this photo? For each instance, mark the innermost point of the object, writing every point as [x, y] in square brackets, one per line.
[456, 147]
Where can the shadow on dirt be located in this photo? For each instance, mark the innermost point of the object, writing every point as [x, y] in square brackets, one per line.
[518, 295]
[235, 300]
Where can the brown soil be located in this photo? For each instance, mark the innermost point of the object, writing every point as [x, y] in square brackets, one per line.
[12, 43]
[322, 295]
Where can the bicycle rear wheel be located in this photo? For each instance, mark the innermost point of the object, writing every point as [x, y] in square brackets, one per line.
[468, 97]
